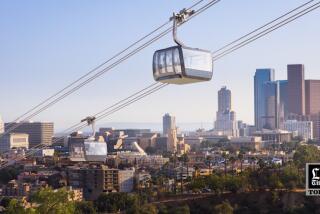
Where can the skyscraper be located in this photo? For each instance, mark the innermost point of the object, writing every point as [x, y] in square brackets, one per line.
[296, 89]
[224, 99]
[261, 76]
[226, 121]
[39, 132]
[271, 118]
[312, 96]
[168, 123]
[283, 84]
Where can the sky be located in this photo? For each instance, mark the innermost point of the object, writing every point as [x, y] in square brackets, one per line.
[45, 45]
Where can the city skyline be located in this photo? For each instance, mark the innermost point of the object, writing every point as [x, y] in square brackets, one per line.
[60, 69]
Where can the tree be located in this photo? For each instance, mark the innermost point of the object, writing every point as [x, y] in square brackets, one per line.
[5, 202]
[240, 157]
[180, 210]
[53, 201]
[215, 183]
[113, 202]
[291, 177]
[8, 174]
[232, 160]
[85, 207]
[148, 209]
[262, 164]
[15, 207]
[223, 208]
[306, 154]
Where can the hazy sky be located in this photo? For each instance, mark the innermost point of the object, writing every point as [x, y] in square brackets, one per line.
[44, 45]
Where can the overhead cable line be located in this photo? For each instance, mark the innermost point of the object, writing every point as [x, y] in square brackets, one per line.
[114, 64]
[235, 47]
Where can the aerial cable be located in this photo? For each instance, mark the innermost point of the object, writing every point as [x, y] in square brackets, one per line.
[263, 26]
[75, 88]
[300, 14]
[267, 31]
[104, 113]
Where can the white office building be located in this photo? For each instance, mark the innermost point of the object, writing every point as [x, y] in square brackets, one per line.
[302, 129]
[14, 141]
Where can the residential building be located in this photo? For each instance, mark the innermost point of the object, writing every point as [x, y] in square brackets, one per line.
[14, 141]
[39, 132]
[16, 189]
[302, 129]
[96, 179]
[126, 180]
[261, 76]
[168, 123]
[296, 89]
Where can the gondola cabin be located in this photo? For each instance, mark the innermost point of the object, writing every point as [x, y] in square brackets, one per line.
[182, 65]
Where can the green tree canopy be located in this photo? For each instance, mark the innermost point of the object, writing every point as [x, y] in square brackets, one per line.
[306, 154]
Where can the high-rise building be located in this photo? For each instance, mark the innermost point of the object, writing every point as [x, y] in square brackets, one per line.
[226, 122]
[224, 99]
[169, 123]
[312, 96]
[283, 84]
[261, 76]
[296, 89]
[271, 118]
[1, 125]
[39, 132]
[172, 141]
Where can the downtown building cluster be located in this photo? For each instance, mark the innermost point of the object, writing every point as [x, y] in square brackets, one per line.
[292, 104]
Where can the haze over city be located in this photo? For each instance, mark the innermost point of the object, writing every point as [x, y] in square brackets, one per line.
[44, 46]
[153, 107]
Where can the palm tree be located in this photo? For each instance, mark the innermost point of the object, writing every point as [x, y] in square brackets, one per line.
[253, 160]
[232, 159]
[209, 159]
[240, 157]
[186, 161]
[225, 157]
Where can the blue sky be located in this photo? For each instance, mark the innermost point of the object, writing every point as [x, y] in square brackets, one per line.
[44, 45]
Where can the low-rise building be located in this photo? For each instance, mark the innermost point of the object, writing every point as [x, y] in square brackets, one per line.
[302, 129]
[251, 143]
[270, 137]
[16, 189]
